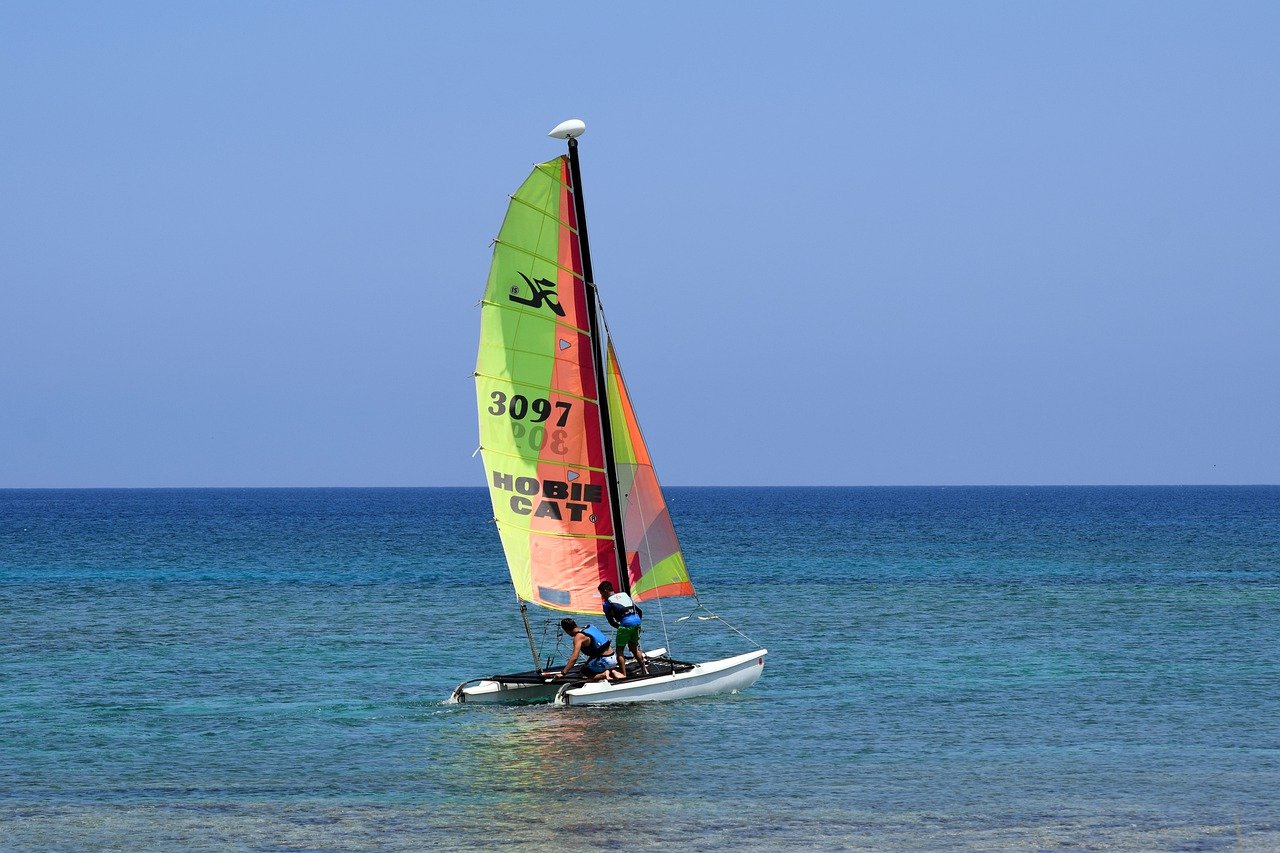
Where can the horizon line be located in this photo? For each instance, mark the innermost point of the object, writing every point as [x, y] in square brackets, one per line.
[684, 486]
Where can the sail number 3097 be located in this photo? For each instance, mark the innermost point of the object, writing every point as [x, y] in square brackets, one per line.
[519, 406]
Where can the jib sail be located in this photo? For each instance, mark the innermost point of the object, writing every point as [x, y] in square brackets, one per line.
[654, 561]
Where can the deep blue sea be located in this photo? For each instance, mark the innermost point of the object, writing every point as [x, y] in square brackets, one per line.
[949, 669]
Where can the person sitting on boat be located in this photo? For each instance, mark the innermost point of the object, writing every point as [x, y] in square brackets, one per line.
[625, 615]
[592, 642]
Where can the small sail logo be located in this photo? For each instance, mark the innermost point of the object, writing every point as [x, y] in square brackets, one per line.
[542, 290]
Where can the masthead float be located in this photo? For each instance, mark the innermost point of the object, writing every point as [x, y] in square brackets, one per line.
[569, 129]
[574, 493]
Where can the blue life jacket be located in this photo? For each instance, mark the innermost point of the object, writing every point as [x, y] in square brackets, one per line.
[599, 645]
[623, 610]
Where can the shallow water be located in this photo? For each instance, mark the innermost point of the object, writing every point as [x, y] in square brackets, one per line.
[1023, 668]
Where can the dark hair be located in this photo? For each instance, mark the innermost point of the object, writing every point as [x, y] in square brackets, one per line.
[568, 625]
[604, 585]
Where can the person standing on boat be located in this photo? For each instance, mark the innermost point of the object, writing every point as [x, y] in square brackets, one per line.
[624, 615]
[592, 642]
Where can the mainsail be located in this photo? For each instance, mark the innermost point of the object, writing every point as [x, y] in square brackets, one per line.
[541, 431]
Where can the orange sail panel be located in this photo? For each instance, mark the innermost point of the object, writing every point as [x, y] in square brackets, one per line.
[654, 562]
[540, 425]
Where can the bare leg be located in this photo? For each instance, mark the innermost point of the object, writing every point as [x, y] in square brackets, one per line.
[639, 656]
[622, 663]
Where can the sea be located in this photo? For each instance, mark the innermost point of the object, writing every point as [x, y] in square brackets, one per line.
[948, 669]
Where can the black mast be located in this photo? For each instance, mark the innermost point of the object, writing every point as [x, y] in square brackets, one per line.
[598, 360]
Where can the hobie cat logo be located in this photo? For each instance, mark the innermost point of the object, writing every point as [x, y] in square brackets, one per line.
[542, 290]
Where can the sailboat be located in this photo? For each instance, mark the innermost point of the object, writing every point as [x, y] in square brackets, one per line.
[575, 497]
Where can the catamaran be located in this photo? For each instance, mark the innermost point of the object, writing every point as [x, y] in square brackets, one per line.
[574, 493]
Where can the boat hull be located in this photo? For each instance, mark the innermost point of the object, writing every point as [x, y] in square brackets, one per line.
[484, 691]
[728, 675]
[495, 693]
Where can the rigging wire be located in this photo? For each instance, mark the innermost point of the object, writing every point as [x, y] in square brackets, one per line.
[608, 333]
[546, 624]
[717, 618]
[648, 553]
[644, 536]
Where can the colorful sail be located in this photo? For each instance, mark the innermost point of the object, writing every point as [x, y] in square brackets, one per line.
[540, 426]
[654, 562]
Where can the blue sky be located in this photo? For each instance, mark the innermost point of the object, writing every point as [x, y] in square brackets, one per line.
[839, 244]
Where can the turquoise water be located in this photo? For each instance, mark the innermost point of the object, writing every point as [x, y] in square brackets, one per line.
[958, 668]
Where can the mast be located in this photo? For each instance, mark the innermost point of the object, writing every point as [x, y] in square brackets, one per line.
[571, 131]
[528, 630]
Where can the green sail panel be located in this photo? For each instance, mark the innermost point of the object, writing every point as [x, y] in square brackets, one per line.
[655, 563]
[540, 425]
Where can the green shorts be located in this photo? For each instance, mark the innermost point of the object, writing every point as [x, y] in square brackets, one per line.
[627, 636]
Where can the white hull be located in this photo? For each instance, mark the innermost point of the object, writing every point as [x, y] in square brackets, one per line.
[494, 693]
[486, 692]
[728, 675]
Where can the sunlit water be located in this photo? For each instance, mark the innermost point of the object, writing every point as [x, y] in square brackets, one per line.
[1025, 668]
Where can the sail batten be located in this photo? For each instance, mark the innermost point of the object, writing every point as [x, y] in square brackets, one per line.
[559, 391]
[531, 531]
[559, 222]
[484, 303]
[499, 242]
[550, 169]
[516, 456]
